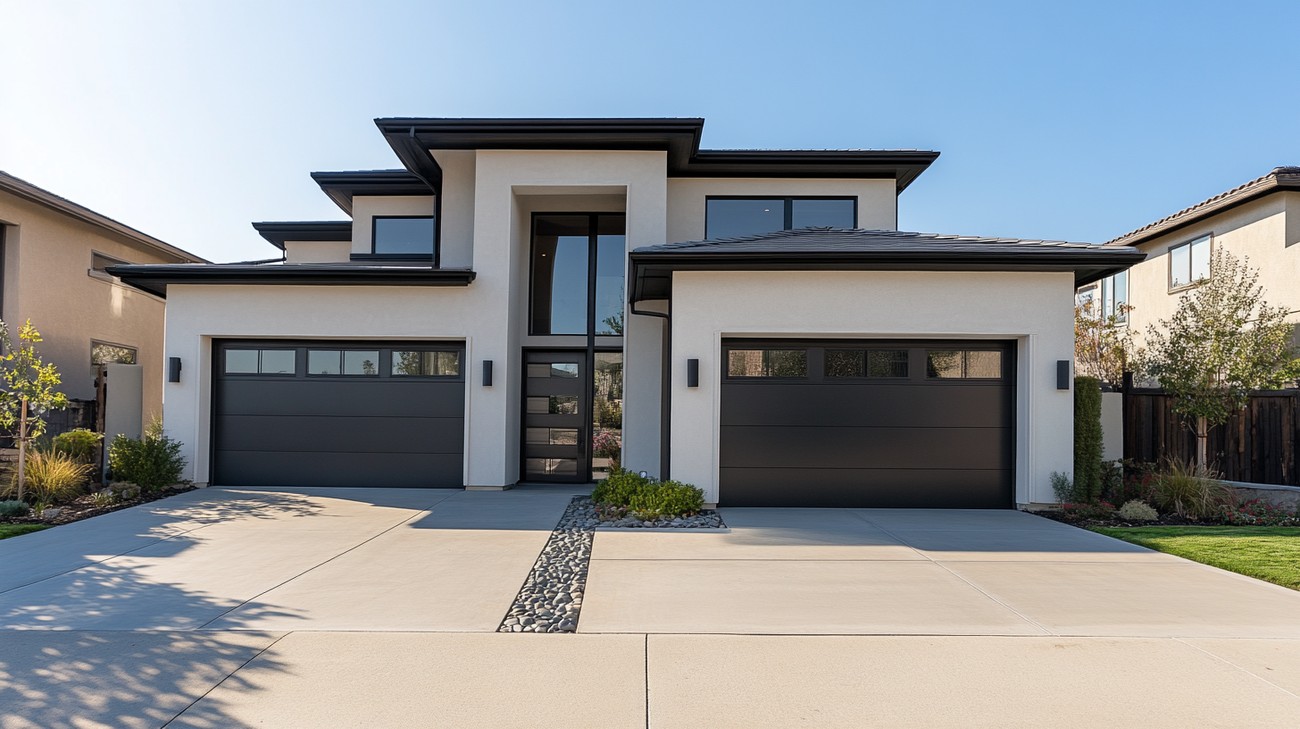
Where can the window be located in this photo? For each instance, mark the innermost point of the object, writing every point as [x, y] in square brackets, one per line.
[734, 217]
[1189, 262]
[1086, 299]
[964, 364]
[426, 364]
[99, 264]
[866, 363]
[562, 370]
[103, 353]
[361, 362]
[553, 405]
[578, 264]
[767, 363]
[1114, 296]
[261, 361]
[405, 235]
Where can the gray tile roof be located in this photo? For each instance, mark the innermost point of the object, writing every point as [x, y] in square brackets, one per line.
[840, 240]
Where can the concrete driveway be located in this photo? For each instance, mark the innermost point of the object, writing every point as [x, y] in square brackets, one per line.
[376, 607]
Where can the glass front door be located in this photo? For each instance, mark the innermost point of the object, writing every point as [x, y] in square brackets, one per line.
[573, 415]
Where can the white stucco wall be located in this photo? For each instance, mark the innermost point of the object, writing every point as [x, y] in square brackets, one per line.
[317, 251]
[877, 199]
[1034, 309]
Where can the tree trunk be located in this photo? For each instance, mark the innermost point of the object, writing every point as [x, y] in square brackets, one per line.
[22, 448]
[1202, 442]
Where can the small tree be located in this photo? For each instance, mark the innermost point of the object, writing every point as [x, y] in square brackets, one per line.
[1222, 342]
[1103, 345]
[28, 390]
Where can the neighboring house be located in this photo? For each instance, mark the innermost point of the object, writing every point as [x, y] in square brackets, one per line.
[1259, 220]
[515, 306]
[55, 256]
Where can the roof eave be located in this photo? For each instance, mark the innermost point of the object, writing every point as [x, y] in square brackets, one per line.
[1273, 183]
[156, 279]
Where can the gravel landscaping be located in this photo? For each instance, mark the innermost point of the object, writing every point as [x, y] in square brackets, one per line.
[551, 597]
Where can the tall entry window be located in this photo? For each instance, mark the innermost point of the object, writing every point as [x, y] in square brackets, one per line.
[578, 265]
[735, 217]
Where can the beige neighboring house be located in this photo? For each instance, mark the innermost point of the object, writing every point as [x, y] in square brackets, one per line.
[54, 253]
[1259, 220]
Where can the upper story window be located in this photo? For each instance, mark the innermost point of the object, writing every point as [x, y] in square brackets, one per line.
[403, 235]
[733, 217]
[1189, 262]
[102, 353]
[1114, 296]
[578, 264]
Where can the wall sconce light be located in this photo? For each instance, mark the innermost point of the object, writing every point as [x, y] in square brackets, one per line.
[692, 373]
[173, 369]
[1062, 374]
[487, 373]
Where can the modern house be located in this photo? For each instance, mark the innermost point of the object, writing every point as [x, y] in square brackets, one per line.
[534, 300]
[55, 256]
[1259, 220]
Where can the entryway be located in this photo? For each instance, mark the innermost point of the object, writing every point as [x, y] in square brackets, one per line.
[573, 415]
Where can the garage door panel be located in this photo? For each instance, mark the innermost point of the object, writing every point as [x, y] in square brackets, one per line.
[865, 487]
[957, 405]
[304, 433]
[387, 470]
[409, 398]
[848, 447]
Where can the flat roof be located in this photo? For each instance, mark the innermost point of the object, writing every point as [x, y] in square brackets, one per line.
[155, 278]
[277, 232]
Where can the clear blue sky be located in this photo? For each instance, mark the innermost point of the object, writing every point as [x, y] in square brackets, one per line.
[1078, 121]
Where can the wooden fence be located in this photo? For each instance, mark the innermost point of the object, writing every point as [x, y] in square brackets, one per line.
[1257, 445]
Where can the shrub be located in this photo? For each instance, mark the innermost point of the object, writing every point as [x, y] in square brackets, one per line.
[1095, 511]
[626, 491]
[1136, 483]
[1062, 487]
[79, 443]
[10, 509]
[1087, 438]
[1137, 511]
[154, 462]
[1191, 491]
[52, 477]
[1258, 512]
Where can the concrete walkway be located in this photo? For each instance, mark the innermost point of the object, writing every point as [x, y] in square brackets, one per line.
[364, 608]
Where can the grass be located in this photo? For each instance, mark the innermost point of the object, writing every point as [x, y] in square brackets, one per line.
[1267, 553]
[13, 530]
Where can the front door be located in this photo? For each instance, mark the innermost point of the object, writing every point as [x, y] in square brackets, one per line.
[556, 429]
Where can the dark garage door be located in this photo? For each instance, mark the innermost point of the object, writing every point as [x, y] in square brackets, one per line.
[867, 424]
[338, 414]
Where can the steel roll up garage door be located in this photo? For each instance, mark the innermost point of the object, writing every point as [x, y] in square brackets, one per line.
[867, 423]
[338, 414]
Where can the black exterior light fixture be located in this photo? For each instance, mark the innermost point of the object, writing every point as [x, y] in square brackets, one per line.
[173, 369]
[1062, 374]
[692, 373]
[487, 373]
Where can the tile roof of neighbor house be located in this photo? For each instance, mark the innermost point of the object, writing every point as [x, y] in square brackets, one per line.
[816, 249]
[1279, 179]
[28, 191]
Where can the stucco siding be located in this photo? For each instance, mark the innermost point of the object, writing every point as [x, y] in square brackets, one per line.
[317, 251]
[1033, 309]
[877, 209]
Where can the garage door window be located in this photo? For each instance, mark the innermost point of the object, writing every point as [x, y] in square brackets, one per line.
[261, 361]
[426, 364]
[767, 363]
[361, 362]
[866, 363]
[964, 364]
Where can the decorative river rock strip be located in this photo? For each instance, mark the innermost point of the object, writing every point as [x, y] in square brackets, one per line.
[551, 597]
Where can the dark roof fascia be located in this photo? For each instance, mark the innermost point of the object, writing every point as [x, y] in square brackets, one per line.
[680, 138]
[652, 270]
[342, 186]
[1281, 179]
[155, 279]
[327, 230]
[26, 190]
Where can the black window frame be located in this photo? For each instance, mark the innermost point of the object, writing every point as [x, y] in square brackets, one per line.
[807, 363]
[786, 200]
[297, 364]
[593, 250]
[1004, 375]
[434, 255]
[1208, 239]
[866, 351]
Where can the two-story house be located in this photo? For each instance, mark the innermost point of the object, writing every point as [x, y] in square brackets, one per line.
[535, 300]
[1259, 220]
[54, 255]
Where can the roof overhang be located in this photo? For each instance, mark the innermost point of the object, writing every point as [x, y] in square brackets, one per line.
[155, 279]
[413, 138]
[1281, 179]
[313, 230]
[341, 187]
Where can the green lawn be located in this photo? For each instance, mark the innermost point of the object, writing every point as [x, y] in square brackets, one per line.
[13, 530]
[1268, 553]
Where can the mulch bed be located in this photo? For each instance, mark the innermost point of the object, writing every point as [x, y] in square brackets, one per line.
[1164, 520]
[84, 507]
